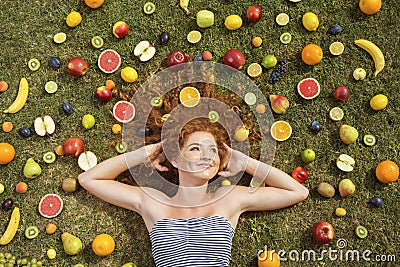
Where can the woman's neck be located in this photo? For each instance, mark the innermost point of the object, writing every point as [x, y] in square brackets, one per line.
[191, 195]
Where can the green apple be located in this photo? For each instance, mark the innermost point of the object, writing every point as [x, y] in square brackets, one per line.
[345, 163]
[205, 18]
[308, 155]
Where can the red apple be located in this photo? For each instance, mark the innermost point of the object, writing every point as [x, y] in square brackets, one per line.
[21, 187]
[120, 29]
[77, 67]
[341, 93]
[176, 57]
[254, 13]
[73, 146]
[323, 232]
[300, 174]
[234, 58]
[103, 94]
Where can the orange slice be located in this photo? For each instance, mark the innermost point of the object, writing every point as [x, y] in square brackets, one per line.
[189, 97]
[281, 130]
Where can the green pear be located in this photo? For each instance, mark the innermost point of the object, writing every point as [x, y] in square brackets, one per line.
[32, 169]
[348, 134]
[72, 244]
[346, 187]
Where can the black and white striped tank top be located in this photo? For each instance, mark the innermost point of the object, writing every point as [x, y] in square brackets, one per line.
[203, 241]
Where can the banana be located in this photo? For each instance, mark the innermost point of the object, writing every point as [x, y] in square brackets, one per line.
[20, 100]
[375, 52]
[11, 228]
[184, 5]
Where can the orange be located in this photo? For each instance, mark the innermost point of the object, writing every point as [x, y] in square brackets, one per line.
[269, 260]
[110, 84]
[94, 3]
[189, 96]
[281, 130]
[311, 54]
[103, 245]
[7, 126]
[7, 153]
[51, 228]
[370, 7]
[387, 171]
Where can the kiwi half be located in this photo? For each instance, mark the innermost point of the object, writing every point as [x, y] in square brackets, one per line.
[213, 116]
[49, 157]
[149, 8]
[31, 232]
[121, 147]
[34, 64]
[369, 140]
[156, 102]
[97, 42]
[285, 38]
[361, 231]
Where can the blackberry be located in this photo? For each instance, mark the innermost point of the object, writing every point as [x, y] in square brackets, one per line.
[278, 72]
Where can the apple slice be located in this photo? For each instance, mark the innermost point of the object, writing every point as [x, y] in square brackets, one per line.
[87, 160]
[345, 163]
[44, 125]
[144, 51]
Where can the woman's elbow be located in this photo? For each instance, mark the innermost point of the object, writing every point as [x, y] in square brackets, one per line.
[83, 179]
[303, 193]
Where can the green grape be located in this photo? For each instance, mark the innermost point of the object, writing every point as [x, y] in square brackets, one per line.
[33, 261]
[24, 261]
[39, 264]
[3, 260]
[1, 255]
[10, 264]
[19, 262]
[34, 265]
[2, 265]
[8, 255]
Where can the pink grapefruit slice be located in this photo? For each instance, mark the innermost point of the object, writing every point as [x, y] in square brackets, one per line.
[109, 61]
[124, 111]
[308, 88]
[50, 205]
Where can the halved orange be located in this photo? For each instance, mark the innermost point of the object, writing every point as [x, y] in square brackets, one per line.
[189, 96]
[281, 130]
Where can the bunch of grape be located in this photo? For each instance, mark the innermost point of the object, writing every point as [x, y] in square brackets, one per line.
[278, 72]
[9, 260]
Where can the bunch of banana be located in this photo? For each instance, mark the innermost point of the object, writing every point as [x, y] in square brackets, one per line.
[20, 100]
[184, 5]
[11, 228]
[375, 52]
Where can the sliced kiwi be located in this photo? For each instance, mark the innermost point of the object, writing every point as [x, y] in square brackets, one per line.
[49, 157]
[285, 38]
[149, 8]
[369, 140]
[361, 231]
[34, 64]
[213, 116]
[156, 102]
[31, 232]
[97, 42]
[121, 147]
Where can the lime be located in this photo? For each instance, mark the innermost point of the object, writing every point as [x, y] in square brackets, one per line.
[88, 121]
[250, 98]
[194, 37]
[59, 37]
[34, 64]
[129, 74]
[336, 114]
[336, 48]
[51, 87]
[369, 140]
[269, 61]
[282, 19]
[310, 21]
[254, 70]
[73, 19]
[233, 22]
[97, 42]
[378, 102]
[285, 38]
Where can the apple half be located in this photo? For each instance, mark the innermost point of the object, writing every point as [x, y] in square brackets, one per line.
[44, 125]
[144, 51]
[87, 160]
[345, 163]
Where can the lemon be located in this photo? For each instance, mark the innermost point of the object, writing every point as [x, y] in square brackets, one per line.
[310, 21]
[336, 48]
[194, 37]
[336, 114]
[340, 212]
[51, 87]
[254, 70]
[378, 102]
[129, 74]
[73, 19]
[250, 98]
[233, 22]
[282, 19]
[60, 37]
[51, 253]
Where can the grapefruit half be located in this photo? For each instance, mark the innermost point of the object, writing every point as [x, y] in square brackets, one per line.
[124, 111]
[308, 88]
[109, 61]
[50, 205]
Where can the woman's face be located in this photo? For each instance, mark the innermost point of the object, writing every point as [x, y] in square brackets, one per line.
[199, 156]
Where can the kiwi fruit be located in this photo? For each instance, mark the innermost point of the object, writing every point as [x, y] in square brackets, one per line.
[213, 116]
[121, 147]
[369, 140]
[156, 102]
[31, 232]
[97, 42]
[70, 185]
[49, 157]
[361, 231]
[326, 190]
[149, 8]
[34, 64]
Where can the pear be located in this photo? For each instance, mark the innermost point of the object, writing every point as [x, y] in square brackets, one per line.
[346, 187]
[32, 169]
[72, 244]
[348, 134]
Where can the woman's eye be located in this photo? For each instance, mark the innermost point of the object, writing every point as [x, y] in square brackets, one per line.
[194, 149]
[214, 150]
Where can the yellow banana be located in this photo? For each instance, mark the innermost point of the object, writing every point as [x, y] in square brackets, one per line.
[184, 5]
[11, 228]
[20, 100]
[375, 52]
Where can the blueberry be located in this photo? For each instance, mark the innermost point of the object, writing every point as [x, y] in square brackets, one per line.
[164, 38]
[24, 131]
[67, 108]
[55, 62]
[198, 58]
[335, 29]
[315, 127]
[143, 131]
[377, 201]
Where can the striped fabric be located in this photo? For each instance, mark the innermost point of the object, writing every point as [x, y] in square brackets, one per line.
[203, 241]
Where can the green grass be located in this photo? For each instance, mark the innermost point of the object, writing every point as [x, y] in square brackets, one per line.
[26, 32]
